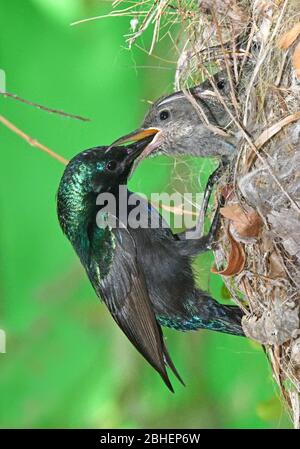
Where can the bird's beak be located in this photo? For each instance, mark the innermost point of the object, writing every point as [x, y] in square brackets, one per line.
[135, 152]
[136, 135]
[153, 135]
[135, 149]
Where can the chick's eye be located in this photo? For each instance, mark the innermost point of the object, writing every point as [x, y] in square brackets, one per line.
[111, 165]
[164, 115]
[221, 84]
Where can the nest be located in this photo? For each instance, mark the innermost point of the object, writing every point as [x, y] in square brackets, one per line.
[257, 43]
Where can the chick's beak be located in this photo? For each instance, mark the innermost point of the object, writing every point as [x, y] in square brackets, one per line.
[155, 136]
[135, 136]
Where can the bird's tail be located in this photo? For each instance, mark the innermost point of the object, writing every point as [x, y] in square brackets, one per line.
[203, 312]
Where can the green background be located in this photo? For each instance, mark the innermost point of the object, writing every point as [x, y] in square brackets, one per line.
[67, 364]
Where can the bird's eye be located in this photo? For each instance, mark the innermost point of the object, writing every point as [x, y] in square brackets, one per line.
[111, 165]
[221, 84]
[164, 115]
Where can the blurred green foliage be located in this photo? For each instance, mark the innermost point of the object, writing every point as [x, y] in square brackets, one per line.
[67, 364]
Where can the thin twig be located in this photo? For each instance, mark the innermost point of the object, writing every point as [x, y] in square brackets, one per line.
[33, 142]
[44, 108]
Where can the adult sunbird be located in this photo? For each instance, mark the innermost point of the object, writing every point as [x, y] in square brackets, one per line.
[143, 275]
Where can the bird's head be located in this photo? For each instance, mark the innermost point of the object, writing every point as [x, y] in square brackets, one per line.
[102, 169]
[94, 171]
[177, 124]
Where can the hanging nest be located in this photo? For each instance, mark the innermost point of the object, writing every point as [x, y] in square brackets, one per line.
[257, 43]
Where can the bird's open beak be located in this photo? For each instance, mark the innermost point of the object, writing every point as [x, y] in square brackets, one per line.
[154, 135]
[136, 135]
[135, 149]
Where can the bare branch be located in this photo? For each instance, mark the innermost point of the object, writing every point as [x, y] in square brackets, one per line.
[43, 108]
[33, 142]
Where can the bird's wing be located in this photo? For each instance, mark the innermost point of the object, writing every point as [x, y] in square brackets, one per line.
[125, 293]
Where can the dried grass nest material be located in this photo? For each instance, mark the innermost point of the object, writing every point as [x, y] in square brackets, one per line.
[265, 109]
[258, 43]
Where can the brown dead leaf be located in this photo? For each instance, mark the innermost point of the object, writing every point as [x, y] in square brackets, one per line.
[296, 60]
[247, 223]
[236, 259]
[288, 38]
[227, 191]
[276, 269]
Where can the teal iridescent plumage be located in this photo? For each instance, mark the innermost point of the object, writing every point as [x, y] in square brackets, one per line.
[143, 275]
[196, 323]
[76, 209]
